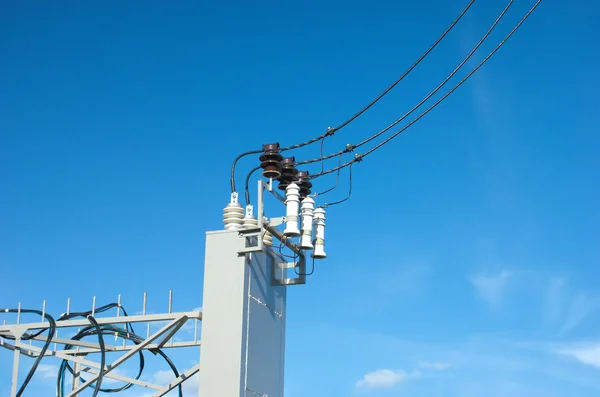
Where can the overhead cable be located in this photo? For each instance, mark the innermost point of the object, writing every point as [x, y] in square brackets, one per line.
[359, 157]
[331, 131]
[350, 148]
[410, 69]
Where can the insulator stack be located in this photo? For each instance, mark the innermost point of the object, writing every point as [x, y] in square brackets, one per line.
[250, 221]
[268, 239]
[292, 203]
[303, 183]
[270, 161]
[308, 206]
[233, 214]
[319, 241]
[288, 172]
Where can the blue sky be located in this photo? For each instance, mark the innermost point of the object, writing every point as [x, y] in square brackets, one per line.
[465, 263]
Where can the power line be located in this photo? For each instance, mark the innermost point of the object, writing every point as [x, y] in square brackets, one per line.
[359, 157]
[350, 148]
[399, 79]
[331, 131]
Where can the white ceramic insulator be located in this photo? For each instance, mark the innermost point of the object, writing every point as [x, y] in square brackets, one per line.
[250, 221]
[233, 214]
[319, 241]
[268, 239]
[308, 208]
[292, 203]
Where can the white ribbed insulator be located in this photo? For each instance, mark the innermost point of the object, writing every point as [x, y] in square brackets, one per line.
[250, 222]
[292, 203]
[268, 239]
[308, 207]
[233, 214]
[319, 241]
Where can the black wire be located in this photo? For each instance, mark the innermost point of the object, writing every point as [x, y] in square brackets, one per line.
[321, 154]
[102, 355]
[238, 158]
[331, 131]
[306, 274]
[36, 363]
[399, 79]
[247, 188]
[337, 180]
[359, 158]
[418, 105]
[105, 330]
[345, 199]
[123, 333]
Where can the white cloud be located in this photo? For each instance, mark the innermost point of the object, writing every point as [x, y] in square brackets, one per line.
[190, 386]
[491, 288]
[582, 305]
[589, 354]
[384, 379]
[438, 366]
[47, 371]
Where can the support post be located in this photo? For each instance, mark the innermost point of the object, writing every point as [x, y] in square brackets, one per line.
[15, 374]
[243, 331]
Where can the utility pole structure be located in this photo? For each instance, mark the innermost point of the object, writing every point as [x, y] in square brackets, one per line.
[244, 304]
[243, 310]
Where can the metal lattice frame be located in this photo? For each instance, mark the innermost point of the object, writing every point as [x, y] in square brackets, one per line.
[268, 275]
[78, 356]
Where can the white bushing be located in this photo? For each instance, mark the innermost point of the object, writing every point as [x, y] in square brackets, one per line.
[268, 239]
[250, 221]
[308, 208]
[319, 241]
[233, 214]
[292, 203]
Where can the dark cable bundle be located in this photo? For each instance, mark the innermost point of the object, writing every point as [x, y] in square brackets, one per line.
[95, 329]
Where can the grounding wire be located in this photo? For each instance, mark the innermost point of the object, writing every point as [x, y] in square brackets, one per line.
[359, 157]
[350, 148]
[331, 131]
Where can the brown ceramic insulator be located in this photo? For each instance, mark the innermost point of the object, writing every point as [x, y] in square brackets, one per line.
[271, 169]
[271, 147]
[304, 183]
[304, 193]
[288, 174]
[270, 161]
[271, 156]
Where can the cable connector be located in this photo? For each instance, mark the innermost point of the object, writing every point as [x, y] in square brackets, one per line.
[358, 158]
[330, 131]
[349, 148]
